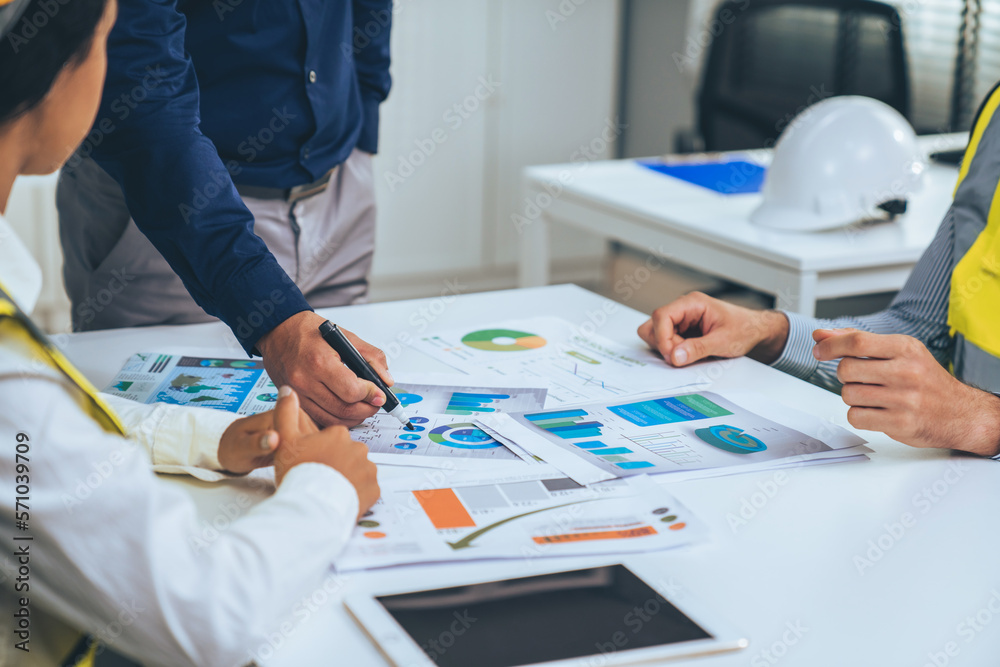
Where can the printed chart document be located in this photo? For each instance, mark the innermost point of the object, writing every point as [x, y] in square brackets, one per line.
[550, 351]
[518, 516]
[674, 433]
[236, 385]
[444, 433]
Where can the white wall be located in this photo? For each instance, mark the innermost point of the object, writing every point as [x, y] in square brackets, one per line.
[31, 211]
[550, 72]
[661, 74]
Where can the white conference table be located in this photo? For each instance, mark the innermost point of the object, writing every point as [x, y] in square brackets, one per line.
[792, 564]
[692, 226]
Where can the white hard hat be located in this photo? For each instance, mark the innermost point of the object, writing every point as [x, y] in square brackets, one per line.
[841, 160]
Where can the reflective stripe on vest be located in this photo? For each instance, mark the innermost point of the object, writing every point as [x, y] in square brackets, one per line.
[15, 324]
[974, 300]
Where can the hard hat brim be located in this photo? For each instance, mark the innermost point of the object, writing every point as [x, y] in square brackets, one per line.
[795, 219]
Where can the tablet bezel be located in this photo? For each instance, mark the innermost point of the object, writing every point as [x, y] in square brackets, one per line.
[402, 651]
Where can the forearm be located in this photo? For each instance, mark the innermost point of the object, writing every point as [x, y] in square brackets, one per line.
[165, 567]
[919, 310]
[177, 189]
[207, 583]
[182, 198]
[179, 439]
[256, 584]
[981, 433]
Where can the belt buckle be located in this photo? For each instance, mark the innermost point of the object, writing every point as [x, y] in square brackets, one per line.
[300, 192]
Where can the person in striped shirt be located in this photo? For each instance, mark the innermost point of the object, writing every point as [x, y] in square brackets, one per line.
[923, 371]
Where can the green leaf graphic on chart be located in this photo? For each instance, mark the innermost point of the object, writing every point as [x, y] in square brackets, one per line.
[467, 541]
[185, 380]
[189, 384]
[194, 389]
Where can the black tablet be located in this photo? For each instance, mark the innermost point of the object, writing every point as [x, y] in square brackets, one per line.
[558, 618]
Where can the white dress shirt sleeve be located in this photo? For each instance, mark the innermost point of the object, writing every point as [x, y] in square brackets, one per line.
[112, 541]
[179, 439]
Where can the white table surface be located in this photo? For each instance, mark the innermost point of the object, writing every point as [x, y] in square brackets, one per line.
[711, 232]
[792, 563]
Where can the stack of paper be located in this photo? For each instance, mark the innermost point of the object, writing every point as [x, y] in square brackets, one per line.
[548, 445]
[687, 434]
[550, 352]
[518, 516]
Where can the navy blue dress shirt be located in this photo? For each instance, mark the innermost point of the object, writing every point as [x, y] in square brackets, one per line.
[202, 94]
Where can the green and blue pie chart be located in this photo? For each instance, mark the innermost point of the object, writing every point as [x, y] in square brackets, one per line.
[730, 439]
[462, 436]
[503, 340]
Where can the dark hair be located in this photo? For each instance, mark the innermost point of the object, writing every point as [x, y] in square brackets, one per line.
[50, 34]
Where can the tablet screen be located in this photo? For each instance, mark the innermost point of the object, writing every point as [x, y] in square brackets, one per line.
[536, 619]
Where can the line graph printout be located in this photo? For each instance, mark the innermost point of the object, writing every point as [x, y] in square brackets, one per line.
[518, 516]
[445, 434]
[659, 434]
[234, 385]
[575, 367]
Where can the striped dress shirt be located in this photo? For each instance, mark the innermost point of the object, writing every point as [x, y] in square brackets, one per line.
[919, 310]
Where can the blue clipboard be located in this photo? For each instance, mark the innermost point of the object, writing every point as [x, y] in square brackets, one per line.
[733, 177]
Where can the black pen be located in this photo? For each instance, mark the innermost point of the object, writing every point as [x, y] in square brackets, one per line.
[352, 359]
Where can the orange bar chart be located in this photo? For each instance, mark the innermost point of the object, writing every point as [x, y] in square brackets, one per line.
[444, 509]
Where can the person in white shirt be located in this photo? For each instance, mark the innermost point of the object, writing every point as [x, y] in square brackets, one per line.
[98, 542]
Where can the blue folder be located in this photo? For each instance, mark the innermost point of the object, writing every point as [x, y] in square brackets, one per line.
[728, 178]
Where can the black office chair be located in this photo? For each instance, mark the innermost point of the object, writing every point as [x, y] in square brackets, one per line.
[773, 58]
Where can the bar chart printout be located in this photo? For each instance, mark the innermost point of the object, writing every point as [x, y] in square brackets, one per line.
[566, 424]
[468, 403]
[690, 431]
[444, 434]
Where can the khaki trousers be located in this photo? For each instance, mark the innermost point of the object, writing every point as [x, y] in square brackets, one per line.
[115, 277]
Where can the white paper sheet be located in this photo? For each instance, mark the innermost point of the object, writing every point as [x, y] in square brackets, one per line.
[551, 351]
[445, 435]
[442, 407]
[200, 380]
[668, 433]
[513, 517]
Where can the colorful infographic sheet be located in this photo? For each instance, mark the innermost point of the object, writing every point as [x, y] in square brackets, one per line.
[445, 434]
[235, 385]
[658, 434]
[550, 351]
[518, 516]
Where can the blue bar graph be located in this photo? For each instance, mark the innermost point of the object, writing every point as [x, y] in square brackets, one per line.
[635, 465]
[555, 415]
[590, 444]
[462, 403]
[567, 424]
[581, 430]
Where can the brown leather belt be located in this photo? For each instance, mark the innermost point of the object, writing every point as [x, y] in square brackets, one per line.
[290, 195]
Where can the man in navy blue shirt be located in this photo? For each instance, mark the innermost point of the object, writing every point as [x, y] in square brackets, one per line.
[228, 174]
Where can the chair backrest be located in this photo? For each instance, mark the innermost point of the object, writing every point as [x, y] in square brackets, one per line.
[770, 59]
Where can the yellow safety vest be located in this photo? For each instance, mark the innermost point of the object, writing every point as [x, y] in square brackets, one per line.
[974, 302]
[15, 325]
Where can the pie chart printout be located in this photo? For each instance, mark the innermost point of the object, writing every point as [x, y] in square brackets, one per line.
[503, 340]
